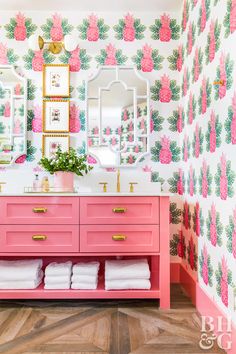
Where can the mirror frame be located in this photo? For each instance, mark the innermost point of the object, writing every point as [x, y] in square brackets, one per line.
[23, 80]
[116, 69]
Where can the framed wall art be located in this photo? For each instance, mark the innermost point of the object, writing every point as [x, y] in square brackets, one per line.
[56, 116]
[56, 80]
[52, 142]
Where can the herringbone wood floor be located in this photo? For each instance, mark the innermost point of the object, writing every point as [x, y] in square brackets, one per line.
[92, 327]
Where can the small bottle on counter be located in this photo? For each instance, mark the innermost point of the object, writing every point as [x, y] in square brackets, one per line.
[45, 184]
[36, 184]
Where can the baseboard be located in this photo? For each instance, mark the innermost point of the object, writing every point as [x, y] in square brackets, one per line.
[175, 272]
[188, 283]
[178, 274]
[204, 304]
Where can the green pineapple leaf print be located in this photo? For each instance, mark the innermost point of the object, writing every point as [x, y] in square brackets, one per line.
[30, 117]
[173, 60]
[175, 214]
[155, 177]
[155, 29]
[31, 90]
[139, 29]
[81, 91]
[103, 29]
[156, 121]
[83, 29]
[175, 29]
[12, 57]
[31, 150]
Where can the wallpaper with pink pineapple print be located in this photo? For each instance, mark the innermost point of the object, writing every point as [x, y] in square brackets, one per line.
[209, 170]
[149, 42]
[193, 122]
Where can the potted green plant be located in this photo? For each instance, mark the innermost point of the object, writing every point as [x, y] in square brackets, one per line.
[63, 166]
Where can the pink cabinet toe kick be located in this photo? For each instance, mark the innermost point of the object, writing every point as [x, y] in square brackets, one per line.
[99, 227]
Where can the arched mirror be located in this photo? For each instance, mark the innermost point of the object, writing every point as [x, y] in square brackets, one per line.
[13, 115]
[118, 116]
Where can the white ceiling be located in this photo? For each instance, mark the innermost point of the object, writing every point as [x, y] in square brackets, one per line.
[91, 5]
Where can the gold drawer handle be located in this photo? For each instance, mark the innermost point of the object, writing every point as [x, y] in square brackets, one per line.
[119, 210]
[39, 237]
[119, 237]
[39, 210]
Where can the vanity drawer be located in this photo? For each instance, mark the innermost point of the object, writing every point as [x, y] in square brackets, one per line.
[39, 238]
[39, 210]
[119, 238]
[119, 210]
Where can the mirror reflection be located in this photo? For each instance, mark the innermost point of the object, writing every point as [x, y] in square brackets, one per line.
[118, 117]
[12, 115]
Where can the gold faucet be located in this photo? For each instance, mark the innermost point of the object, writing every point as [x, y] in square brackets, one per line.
[118, 181]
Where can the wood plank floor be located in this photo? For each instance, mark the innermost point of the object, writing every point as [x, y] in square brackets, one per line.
[92, 327]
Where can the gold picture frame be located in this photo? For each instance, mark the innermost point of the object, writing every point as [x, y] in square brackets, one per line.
[48, 115]
[55, 136]
[54, 85]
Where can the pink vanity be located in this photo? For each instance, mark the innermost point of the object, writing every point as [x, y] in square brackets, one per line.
[88, 228]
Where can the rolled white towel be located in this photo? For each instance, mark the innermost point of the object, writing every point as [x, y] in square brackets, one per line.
[51, 279]
[81, 285]
[60, 286]
[126, 284]
[57, 269]
[89, 268]
[22, 284]
[77, 278]
[127, 269]
[25, 270]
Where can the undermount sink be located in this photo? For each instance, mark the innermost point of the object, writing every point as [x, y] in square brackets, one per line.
[144, 185]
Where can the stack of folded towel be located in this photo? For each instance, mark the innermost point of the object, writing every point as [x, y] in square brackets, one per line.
[85, 276]
[58, 275]
[22, 274]
[127, 274]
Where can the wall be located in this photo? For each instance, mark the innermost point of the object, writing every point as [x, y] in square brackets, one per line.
[159, 32]
[207, 243]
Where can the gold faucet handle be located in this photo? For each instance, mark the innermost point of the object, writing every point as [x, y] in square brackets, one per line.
[104, 186]
[1, 183]
[131, 188]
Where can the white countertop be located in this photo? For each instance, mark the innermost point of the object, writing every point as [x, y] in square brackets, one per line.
[88, 194]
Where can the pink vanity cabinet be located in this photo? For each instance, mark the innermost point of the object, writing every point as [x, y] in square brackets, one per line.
[57, 228]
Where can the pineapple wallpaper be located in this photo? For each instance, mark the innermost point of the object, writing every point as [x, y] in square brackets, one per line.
[148, 41]
[193, 121]
[207, 168]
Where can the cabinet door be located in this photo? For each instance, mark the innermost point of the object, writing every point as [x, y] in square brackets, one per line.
[39, 238]
[119, 210]
[119, 238]
[39, 210]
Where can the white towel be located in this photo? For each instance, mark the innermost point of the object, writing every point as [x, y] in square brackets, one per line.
[57, 269]
[51, 279]
[26, 270]
[127, 284]
[76, 278]
[22, 284]
[89, 268]
[81, 285]
[127, 269]
[60, 286]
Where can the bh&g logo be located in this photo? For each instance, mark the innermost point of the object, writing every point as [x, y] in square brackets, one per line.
[222, 327]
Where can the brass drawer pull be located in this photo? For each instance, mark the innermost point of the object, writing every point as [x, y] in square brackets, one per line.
[119, 210]
[39, 210]
[39, 237]
[119, 237]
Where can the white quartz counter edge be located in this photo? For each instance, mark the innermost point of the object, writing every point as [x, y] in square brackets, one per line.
[88, 194]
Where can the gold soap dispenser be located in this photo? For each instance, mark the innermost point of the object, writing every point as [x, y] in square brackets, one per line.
[45, 184]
